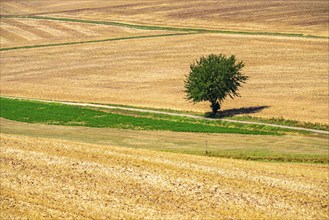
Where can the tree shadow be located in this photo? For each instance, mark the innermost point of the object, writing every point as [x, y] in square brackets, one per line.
[237, 111]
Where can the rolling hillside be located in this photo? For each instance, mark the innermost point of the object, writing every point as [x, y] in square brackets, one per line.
[288, 76]
[304, 17]
[95, 123]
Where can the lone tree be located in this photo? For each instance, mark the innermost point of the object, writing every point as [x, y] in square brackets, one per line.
[213, 78]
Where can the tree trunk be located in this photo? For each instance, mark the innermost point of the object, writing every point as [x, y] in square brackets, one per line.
[215, 106]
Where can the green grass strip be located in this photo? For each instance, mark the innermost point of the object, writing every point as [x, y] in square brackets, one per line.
[247, 118]
[90, 41]
[281, 121]
[268, 156]
[59, 114]
[203, 121]
[149, 27]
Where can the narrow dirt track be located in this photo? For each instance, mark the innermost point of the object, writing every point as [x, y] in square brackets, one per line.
[172, 114]
[46, 178]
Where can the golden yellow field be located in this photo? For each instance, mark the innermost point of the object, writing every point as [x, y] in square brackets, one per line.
[22, 32]
[305, 17]
[47, 178]
[288, 75]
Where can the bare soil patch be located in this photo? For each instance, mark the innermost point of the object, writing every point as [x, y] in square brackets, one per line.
[29, 32]
[305, 17]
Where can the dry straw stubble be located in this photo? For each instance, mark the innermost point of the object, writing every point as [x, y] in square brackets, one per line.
[51, 178]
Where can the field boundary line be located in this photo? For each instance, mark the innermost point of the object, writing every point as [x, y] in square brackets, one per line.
[82, 104]
[151, 27]
[92, 41]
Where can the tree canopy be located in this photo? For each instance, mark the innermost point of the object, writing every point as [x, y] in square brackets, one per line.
[214, 78]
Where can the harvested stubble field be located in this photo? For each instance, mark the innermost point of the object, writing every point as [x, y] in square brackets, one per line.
[304, 17]
[26, 32]
[44, 178]
[288, 76]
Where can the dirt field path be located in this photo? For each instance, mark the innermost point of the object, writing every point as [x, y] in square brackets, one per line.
[172, 114]
[46, 178]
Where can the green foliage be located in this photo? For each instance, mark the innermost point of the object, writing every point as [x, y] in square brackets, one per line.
[59, 114]
[214, 78]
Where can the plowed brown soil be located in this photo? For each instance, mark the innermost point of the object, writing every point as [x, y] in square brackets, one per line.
[29, 32]
[45, 178]
[305, 17]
